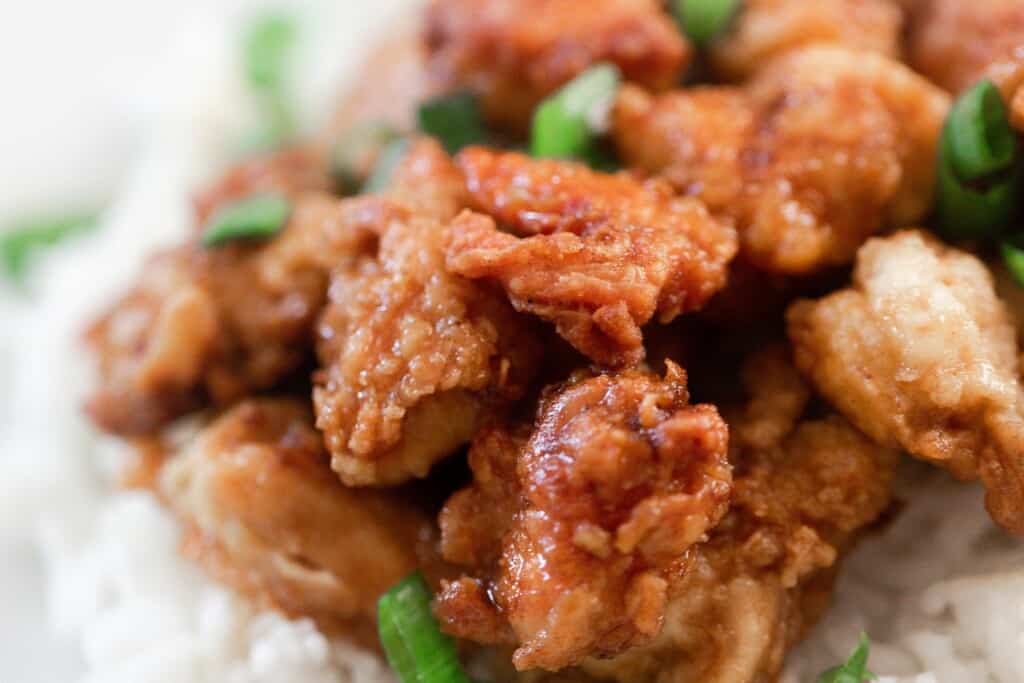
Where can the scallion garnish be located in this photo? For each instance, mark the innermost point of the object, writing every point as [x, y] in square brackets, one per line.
[1013, 258]
[18, 243]
[256, 217]
[412, 639]
[387, 161]
[704, 20]
[355, 154]
[854, 670]
[454, 119]
[980, 135]
[268, 46]
[568, 123]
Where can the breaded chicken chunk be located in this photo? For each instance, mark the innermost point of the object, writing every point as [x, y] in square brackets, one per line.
[598, 255]
[822, 149]
[264, 513]
[920, 354]
[764, 29]
[513, 53]
[955, 43]
[212, 324]
[802, 492]
[575, 534]
[414, 358]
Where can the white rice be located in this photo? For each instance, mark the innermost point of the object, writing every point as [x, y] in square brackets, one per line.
[941, 592]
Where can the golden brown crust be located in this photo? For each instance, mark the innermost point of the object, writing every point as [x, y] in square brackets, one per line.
[599, 255]
[919, 353]
[593, 514]
[516, 52]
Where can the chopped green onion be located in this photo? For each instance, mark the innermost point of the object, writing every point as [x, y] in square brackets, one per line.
[969, 212]
[388, 161]
[255, 217]
[356, 152]
[703, 21]
[1013, 257]
[18, 243]
[854, 670]
[455, 120]
[413, 642]
[567, 124]
[981, 139]
[268, 46]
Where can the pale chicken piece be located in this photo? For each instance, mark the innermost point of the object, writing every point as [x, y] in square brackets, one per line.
[803, 492]
[765, 29]
[921, 354]
[825, 147]
[414, 358]
[956, 43]
[598, 255]
[513, 53]
[264, 513]
[574, 534]
[209, 325]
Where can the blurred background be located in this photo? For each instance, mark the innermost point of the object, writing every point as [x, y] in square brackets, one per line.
[116, 108]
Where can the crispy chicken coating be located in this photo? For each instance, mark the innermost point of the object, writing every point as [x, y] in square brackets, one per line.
[212, 324]
[822, 149]
[574, 534]
[598, 255]
[954, 43]
[516, 52]
[920, 353]
[802, 492]
[414, 357]
[765, 29]
[266, 515]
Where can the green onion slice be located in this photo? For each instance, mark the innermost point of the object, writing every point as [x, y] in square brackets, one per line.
[854, 670]
[19, 243]
[981, 139]
[568, 123]
[455, 120]
[967, 212]
[256, 217]
[1013, 257]
[267, 50]
[704, 20]
[388, 161]
[413, 642]
[355, 154]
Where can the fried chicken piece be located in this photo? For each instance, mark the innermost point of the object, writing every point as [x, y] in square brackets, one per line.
[513, 53]
[598, 255]
[290, 172]
[803, 491]
[266, 515]
[213, 324]
[414, 357]
[765, 29]
[955, 43]
[575, 534]
[822, 149]
[920, 353]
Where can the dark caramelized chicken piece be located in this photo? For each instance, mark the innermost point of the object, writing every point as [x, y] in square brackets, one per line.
[515, 52]
[575, 534]
[764, 29]
[598, 255]
[921, 354]
[414, 358]
[823, 148]
[265, 514]
[802, 492]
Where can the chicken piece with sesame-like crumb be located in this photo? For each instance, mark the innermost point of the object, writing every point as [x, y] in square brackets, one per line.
[574, 534]
[598, 255]
[823, 148]
[921, 354]
[414, 358]
[513, 53]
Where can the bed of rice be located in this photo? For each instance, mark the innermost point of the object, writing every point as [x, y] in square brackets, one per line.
[941, 592]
